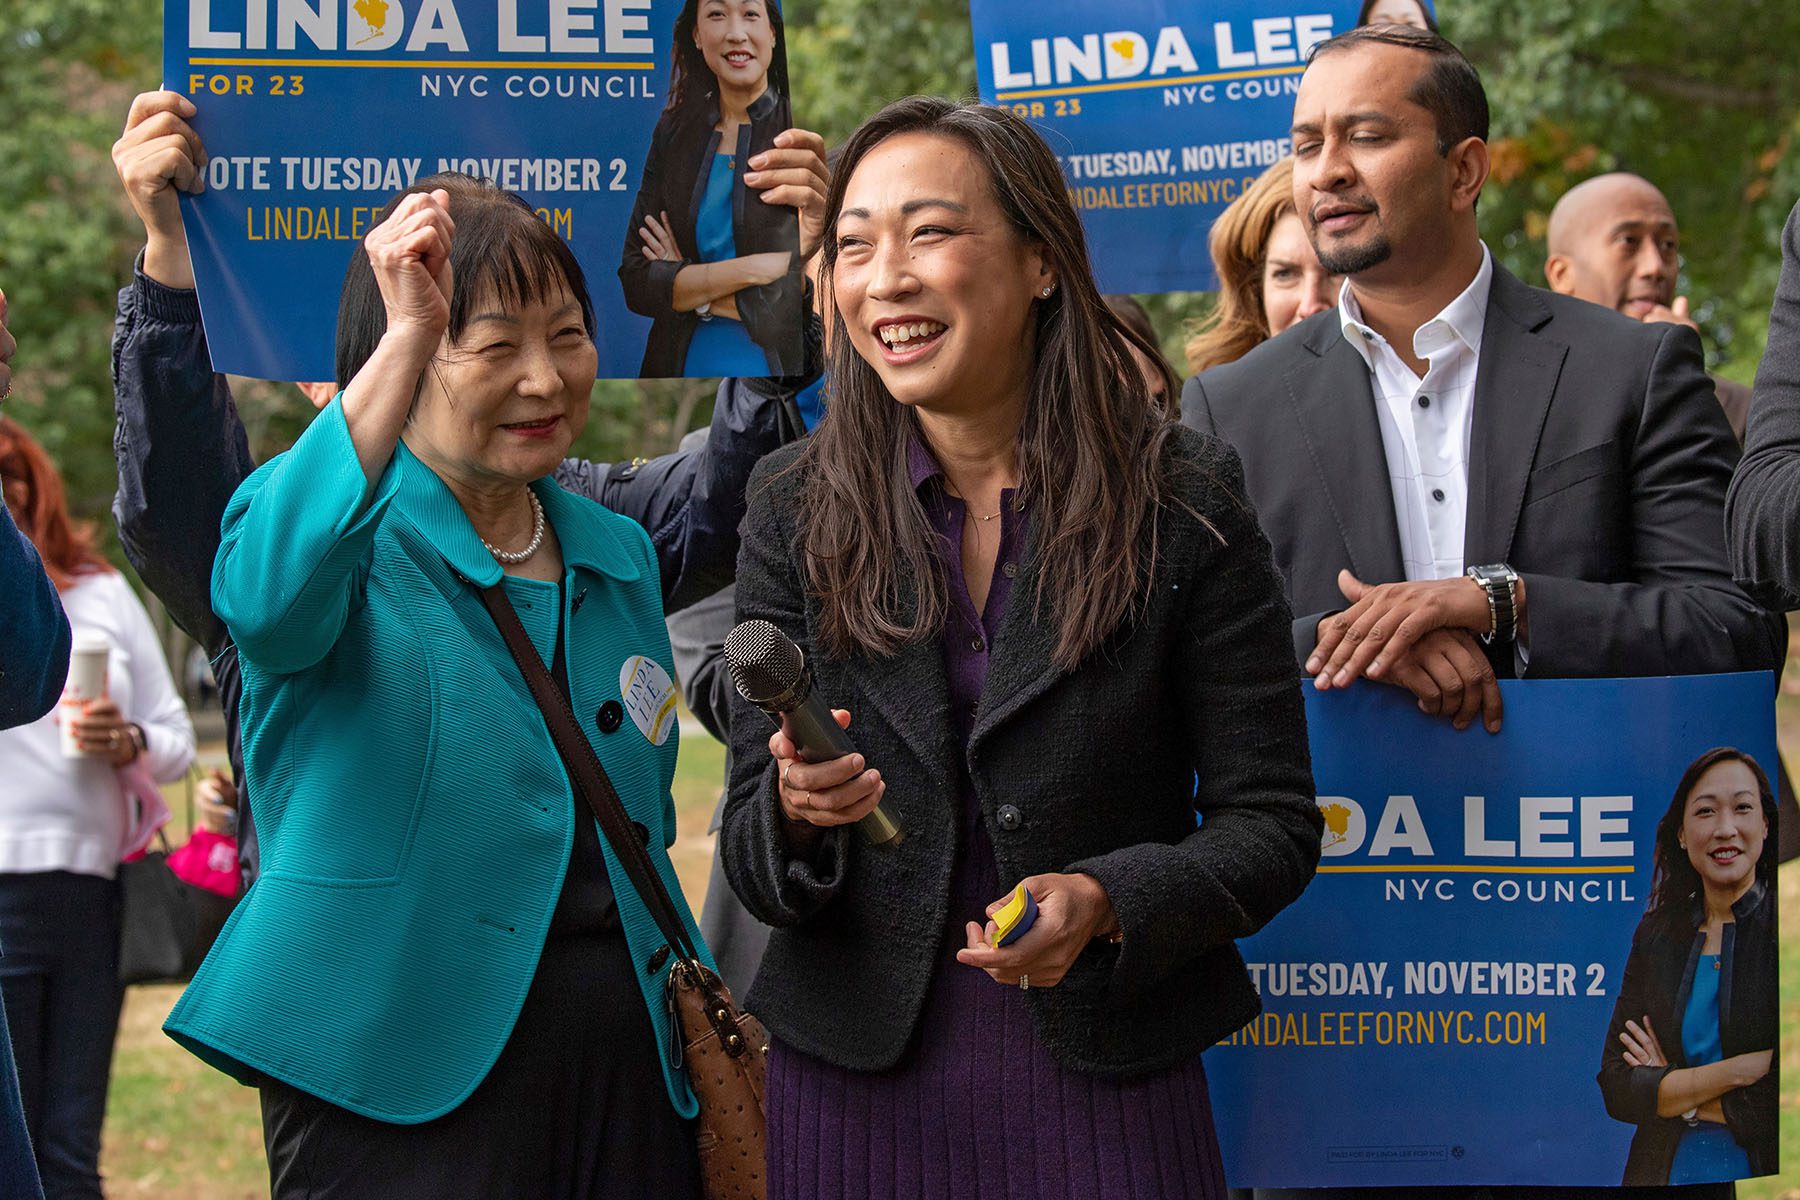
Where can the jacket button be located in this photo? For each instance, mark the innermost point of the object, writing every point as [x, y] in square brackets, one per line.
[642, 830]
[1010, 818]
[609, 716]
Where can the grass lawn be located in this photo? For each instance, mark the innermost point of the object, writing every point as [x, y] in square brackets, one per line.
[178, 1130]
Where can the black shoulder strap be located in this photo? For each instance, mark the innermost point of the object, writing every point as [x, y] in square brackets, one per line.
[587, 775]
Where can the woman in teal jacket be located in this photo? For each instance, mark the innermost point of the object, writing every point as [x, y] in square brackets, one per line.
[443, 983]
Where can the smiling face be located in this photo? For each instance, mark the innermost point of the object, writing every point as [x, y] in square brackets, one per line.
[737, 42]
[1373, 192]
[1294, 283]
[503, 403]
[1397, 12]
[935, 286]
[1723, 828]
[1620, 247]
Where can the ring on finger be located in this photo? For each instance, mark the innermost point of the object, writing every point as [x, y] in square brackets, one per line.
[784, 770]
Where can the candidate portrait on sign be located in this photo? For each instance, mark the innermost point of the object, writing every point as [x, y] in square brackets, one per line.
[1690, 1051]
[709, 256]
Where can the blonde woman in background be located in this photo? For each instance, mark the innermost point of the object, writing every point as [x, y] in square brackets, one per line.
[1269, 277]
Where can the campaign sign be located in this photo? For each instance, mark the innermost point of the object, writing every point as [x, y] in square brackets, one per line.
[1438, 1004]
[315, 113]
[1161, 112]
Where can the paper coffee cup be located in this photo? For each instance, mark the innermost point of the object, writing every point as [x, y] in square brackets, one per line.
[87, 683]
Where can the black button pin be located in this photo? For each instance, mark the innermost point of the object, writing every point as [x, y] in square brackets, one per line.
[609, 717]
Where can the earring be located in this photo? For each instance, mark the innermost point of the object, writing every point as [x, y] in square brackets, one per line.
[1047, 292]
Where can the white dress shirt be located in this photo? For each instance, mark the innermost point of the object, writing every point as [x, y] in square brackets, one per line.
[1426, 422]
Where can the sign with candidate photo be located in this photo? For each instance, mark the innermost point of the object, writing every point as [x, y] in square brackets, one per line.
[604, 115]
[1161, 111]
[1512, 968]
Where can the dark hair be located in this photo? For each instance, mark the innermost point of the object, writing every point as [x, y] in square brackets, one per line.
[1362, 14]
[501, 246]
[1090, 447]
[1132, 314]
[1449, 89]
[689, 76]
[1673, 878]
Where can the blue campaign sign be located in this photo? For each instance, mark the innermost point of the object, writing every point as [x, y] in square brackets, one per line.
[314, 113]
[1437, 1003]
[1161, 111]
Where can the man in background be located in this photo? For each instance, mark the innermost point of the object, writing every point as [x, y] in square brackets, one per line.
[1613, 241]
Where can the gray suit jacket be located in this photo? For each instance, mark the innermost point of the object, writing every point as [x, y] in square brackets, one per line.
[1764, 506]
[1597, 468]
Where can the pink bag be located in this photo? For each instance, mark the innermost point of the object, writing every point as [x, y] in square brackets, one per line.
[209, 860]
[145, 810]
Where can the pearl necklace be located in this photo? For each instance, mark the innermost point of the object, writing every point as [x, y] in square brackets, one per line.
[513, 558]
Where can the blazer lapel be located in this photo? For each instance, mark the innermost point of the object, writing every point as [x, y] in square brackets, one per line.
[1514, 384]
[912, 694]
[1334, 407]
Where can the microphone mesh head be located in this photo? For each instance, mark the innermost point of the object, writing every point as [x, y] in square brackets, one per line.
[764, 662]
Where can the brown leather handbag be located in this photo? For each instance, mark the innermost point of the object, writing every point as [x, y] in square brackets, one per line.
[722, 1047]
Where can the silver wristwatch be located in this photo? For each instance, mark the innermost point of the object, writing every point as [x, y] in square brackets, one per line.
[1501, 583]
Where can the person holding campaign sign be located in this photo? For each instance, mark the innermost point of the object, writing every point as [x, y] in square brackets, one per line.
[448, 987]
[182, 450]
[1269, 278]
[714, 254]
[1465, 478]
[1049, 609]
[1689, 1056]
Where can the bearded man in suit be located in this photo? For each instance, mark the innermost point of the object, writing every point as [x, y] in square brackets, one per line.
[1465, 477]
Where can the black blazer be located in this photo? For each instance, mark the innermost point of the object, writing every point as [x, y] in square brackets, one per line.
[1659, 976]
[1085, 771]
[1764, 506]
[1597, 467]
[675, 174]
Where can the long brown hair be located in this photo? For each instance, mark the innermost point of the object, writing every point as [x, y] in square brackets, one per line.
[34, 494]
[1090, 447]
[691, 80]
[1240, 246]
[1673, 877]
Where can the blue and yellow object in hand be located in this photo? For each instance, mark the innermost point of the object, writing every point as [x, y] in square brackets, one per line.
[1014, 917]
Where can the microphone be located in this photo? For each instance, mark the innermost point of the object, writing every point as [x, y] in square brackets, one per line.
[771, 673]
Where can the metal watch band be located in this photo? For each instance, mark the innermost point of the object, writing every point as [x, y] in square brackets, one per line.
[1501, 583]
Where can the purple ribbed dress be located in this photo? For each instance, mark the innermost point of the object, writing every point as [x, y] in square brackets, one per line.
[936, 1125]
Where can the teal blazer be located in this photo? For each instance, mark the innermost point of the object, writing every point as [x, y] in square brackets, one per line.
[416, 821]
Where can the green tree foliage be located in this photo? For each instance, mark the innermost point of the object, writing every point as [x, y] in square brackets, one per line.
[65, 236]
[1704, 102]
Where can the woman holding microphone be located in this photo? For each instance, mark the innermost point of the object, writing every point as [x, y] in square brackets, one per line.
[1049, 611]
[712, 254]
[442, 981]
